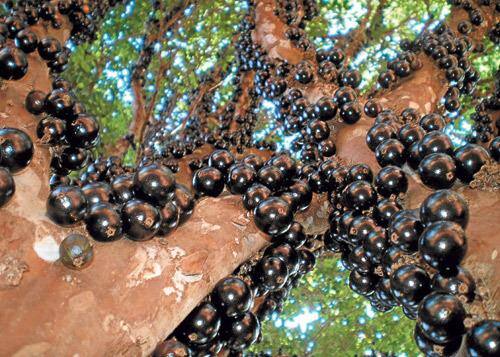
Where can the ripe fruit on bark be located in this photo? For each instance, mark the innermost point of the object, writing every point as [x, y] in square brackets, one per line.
[16, 149]
[66, 205]
[104, 223]
[141, 220]
[208, 181]
[7, 186]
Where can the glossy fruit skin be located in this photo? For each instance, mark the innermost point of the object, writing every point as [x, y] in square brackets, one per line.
[285, 252]
[359, 195]
[97, 192]
[272, 177]
[254, 195]
[438, 171]
[169, 218]
[375, 245]
[359, 260]
[154, 183]
[391, 180]
[362, 283]
[410, 284]
[372, 108]
[35, 102]
[359, 229]
[273, 216]
[60, 103]
[360, 172]
[495, 149]
[294, 236]
[51, 131]
[200, 326]
[441, 317]
[302, 194]
[141, 220]
[430, 348]
[74, 158]
[435, 142]
[253, 160]
[445, 205]
[307, 261]
[240, 177]
[184, 200]
[104, 223]
[83, 131]
[76, 252]
[171, 348]
[232, 297]
[242, 332]
[270, 273]
[16, 149]
[469, 159]
[483, 340]
[13, 63]
[325, 108]
[208, 181]
[66, 205]
[390, 152]
[27, 40]
[405, 231]
[221, 160]
[350, 112]
[461, 284]
[318, 130]
[432, 122]
[409, 134]
[48, 48]
[7, 186]
[384, 210]
[123, 188]
[443, 245]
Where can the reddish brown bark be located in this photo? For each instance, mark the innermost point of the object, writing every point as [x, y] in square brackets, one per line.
[135, 294]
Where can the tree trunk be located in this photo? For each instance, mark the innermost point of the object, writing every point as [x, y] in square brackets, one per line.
[135, 293]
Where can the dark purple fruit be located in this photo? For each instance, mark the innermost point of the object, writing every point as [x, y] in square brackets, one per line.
[83, 131]
[445, 205]
[66, 205]
[16, 149]
[273, 216]
[184, 200]
[270, 273]
[241, 332]
[232, 297]
[391, 180]
[27, 40]
[410, 284]
[123, 188]
[221, 160]
[437, 171]
[104, 223]
[240, 178]
[13, 63]
[141, 221]
[35, 102]
[7, 186]
[154, 183]
[255, 195]
[48, 48]
[405, 231]
[483, 339]
[51, 131]
[469, 159]
[359, 195]
[200, 326]
[443, 245]
[208, 181]
[169, 218]
[460, 283]
[441, 317]
[390, 152]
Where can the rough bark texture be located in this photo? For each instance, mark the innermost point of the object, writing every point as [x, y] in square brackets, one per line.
[135, 294]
